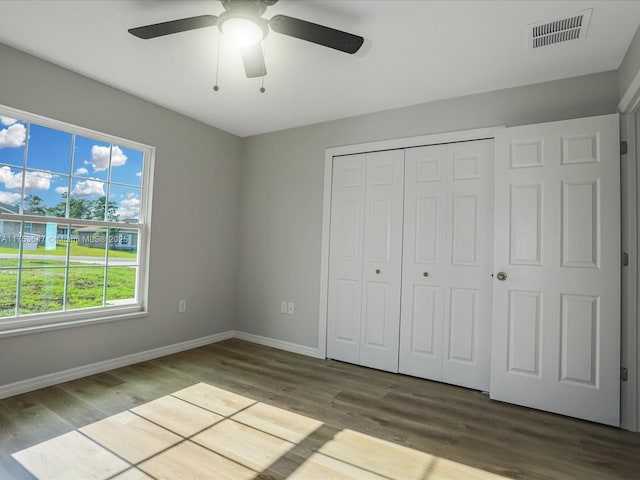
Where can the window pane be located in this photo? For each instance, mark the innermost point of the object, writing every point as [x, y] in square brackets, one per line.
[13, 134]
[45, 194]
[41, 290]
[124, 204]
[87, 199]
[49, 149]
[126, 166]
[121, 285]
[91, 158]
[85, 287]
[123, 246]
[45, 245]
[88, 244]
[10, 239]
[8, 289]
[10, 188]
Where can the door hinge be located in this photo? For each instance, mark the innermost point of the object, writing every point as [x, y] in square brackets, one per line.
[624, 148]
[624, 374]
[625, 259]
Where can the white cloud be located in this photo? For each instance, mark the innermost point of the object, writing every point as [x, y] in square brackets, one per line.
[62, 190]
[37, 181]
[10, 179]
[14, 136]
[32, 181]
[9, 197]
[88, 188]
[139, 174]
[129, 208]
[7, 121]
[82, 171]
[100, 158]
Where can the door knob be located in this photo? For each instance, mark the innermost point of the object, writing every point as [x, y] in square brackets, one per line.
[425, 274]
[501, 276]
[377, 270]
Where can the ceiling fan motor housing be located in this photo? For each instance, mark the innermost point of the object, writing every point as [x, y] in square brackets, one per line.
[256, 7]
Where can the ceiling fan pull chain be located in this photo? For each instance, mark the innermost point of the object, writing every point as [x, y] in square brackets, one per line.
[264, 53]
[216, 87]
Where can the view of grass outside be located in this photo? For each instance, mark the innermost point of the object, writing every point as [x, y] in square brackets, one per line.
[42, 282]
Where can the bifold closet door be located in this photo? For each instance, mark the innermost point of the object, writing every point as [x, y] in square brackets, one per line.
[556, 328]
[365, 259]
[447, 263]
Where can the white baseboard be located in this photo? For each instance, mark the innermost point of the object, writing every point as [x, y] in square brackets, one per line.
[55, 378]
[30, 384]
[279, 344]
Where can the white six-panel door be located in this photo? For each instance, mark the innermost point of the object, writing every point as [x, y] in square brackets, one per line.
[447, 263]
[365, 256]
[556, 329]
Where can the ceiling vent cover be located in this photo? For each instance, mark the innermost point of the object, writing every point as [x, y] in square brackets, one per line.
[559, 30]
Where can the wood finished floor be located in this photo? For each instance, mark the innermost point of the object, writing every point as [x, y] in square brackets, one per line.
[362, 420]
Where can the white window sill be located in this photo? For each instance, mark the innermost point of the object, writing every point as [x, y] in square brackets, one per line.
[25, 325]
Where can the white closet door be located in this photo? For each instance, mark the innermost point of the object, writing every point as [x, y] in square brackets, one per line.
[468, 292]
[382, 265]
[345, 258]
[447, 263]
[556, 330]
[424, 269]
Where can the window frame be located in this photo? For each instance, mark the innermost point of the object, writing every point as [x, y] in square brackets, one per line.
[37, 322]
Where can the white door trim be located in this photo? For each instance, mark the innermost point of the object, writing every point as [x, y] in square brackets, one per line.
[423, 140]
[630, 101]
[629, 402]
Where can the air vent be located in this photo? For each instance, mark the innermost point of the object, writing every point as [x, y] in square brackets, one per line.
[559, 30]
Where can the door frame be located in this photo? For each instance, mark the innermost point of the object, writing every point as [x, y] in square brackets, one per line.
[367, 147]
[630, 208]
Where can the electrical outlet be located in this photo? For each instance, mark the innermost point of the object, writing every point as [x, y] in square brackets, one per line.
[290, 308]
[283, 307]
[182, 306]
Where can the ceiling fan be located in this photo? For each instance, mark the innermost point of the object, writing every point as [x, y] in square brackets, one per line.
[242, 21]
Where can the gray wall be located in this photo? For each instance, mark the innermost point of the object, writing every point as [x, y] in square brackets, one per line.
[195, 191]
[282, 185]
[630, 65]
[252, 207]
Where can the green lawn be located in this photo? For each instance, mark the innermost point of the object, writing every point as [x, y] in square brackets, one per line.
[76, 251]
[42, 287]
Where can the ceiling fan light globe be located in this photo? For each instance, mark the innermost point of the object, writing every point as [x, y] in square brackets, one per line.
[242, 31]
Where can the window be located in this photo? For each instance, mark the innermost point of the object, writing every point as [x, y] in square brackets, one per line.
[74, 223]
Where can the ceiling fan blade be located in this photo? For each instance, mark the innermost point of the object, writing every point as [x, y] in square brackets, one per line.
[314, 33]
[174, 26]
[253, 59]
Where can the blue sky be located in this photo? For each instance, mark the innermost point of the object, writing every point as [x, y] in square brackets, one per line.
[51, 157]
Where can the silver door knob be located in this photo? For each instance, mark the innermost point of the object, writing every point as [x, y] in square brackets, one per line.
[501, 276]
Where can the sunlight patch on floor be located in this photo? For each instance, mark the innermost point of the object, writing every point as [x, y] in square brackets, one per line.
[204, 432]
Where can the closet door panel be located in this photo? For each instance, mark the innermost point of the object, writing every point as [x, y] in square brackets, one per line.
[382, 260]
[424, 261]
[469, 252]
[345, 258]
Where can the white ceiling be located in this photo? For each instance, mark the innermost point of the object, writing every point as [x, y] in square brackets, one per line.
[419, 51]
